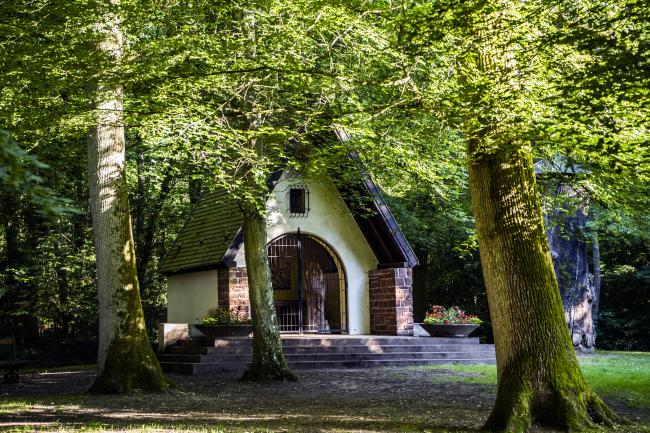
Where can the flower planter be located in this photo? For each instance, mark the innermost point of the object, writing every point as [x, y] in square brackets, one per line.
[448, 330]
[213, 332]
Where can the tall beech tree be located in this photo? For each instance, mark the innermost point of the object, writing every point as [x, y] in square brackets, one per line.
[538, 373]
[268, 361]
[125, 360]
[520, 72]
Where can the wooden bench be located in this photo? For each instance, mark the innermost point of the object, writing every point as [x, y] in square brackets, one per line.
[8, 363]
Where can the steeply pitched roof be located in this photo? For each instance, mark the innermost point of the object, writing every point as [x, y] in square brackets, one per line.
[382, 231]
[212, 235]
[205, 239]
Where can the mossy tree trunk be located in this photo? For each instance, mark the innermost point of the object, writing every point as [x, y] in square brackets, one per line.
[268, 360]
[538, 373]
[539, 378]
[125, 359]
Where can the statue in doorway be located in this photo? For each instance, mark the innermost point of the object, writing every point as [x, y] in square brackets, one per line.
[315, 296]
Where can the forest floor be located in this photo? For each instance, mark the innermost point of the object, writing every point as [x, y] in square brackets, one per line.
[423, 399]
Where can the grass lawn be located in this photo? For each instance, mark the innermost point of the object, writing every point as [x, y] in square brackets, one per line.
[619, 375]
[425, 399]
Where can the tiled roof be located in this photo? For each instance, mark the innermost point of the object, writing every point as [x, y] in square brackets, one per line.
[205, 238]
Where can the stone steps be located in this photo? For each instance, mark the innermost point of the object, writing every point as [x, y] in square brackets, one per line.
[191, 350]
[303, 353]
[290, 357]
[205, 368]
[288, 341]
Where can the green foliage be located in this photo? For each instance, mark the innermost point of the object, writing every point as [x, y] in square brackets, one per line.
[625, 298]
[19, 174]
[420, 165]
[222, 94]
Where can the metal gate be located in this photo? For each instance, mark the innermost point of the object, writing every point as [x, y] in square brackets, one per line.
[309, 287]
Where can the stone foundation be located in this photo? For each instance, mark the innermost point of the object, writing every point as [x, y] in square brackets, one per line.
[233, 289]
[391, 301]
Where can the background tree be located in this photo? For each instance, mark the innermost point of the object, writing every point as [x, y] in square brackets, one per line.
[126, 360]
[502, 57]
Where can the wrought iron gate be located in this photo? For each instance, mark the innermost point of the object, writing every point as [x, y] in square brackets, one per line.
[309, 286]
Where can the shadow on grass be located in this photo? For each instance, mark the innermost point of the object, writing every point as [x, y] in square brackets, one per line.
[327, 401]
[190, 412]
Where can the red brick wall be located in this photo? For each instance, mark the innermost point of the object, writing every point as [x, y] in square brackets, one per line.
[391, 301]
[233, 288]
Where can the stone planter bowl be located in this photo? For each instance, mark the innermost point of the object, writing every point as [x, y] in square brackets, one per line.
[213, 332]
[448, 330]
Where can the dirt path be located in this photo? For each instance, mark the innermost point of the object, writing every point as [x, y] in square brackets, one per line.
[374, 400]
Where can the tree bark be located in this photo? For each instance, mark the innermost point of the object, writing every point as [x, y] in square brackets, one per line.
[597, 280]
[63, 287]
[195, 187]
[539, 378]
[569, 252]
[125, 359]
[268, 360]
[538, 373]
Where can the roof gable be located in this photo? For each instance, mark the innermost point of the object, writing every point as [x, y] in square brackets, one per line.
[212, 234]
[381, 230]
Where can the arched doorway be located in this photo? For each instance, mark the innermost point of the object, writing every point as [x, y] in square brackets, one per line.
[309, 286]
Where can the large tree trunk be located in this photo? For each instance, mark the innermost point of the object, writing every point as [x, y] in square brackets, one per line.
[268, 360]
[539, 378]
[125, 360]
[538, 374]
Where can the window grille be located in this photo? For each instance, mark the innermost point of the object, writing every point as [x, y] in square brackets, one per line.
[298, 201]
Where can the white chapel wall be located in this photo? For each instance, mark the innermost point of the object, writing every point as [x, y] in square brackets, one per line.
[329, 219]
[190, 296]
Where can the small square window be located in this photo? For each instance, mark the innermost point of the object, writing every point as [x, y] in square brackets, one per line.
[297, 201]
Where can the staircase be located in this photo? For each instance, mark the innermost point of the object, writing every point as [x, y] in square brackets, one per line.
[197, 356]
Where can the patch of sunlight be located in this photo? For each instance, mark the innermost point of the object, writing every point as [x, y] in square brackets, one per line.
[465, 373]
[622, 375]
[13, 406]
[61, 369]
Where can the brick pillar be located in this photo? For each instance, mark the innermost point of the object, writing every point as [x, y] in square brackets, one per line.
[233, 289]
[391, 301]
